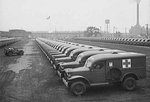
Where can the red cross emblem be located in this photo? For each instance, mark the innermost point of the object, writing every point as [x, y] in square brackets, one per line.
[126, 63]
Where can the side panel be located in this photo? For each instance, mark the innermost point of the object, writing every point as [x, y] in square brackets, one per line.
[136, 66]
[112, 63]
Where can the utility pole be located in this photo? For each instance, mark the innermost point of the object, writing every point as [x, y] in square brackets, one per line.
[49, 25]
[147, 31]
[100, 28]
[125, 31]
[114, 31]
[107, 21]
[48, 18]
[107, 28]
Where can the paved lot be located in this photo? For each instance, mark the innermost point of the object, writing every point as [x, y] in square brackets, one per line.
[36, 81]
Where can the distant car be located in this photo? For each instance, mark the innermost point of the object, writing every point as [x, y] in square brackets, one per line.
[13, 51]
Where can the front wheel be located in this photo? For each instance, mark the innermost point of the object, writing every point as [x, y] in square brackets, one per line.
[129, 83]
[78, 88]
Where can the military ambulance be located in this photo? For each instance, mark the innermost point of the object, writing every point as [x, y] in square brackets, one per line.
[103, 69]
[63, 51]
[46, 42]
[46, 49]
[67, 53]
[73, 55]
[81, 59]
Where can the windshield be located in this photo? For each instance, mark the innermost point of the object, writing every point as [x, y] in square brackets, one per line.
[88, 63]
[72, 52]
[66, 51]
[79, 58]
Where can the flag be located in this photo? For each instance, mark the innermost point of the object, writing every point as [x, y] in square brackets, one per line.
[48, 18]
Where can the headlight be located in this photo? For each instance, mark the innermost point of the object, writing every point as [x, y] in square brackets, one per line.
[57, 66]
[69, 75]
[56, 62]
[62, 68]
[53, 58]
[62, 71]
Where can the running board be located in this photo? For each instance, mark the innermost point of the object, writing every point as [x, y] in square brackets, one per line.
[98, 84]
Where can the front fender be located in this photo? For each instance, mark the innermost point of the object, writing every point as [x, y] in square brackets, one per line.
[130, 74]
[78, 77]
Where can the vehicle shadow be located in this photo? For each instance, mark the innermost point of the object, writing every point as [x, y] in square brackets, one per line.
[112, 89]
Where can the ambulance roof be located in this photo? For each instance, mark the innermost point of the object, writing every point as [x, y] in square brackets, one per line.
[87, 49]
[112, 56]
[100, 51]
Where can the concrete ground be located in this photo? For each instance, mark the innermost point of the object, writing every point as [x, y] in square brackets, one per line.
[32, 79]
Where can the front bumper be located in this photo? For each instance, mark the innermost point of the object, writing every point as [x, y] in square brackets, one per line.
[54, 66]
[65, 82]
[59, 73]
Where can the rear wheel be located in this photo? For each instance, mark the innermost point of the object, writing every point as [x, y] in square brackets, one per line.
[129, 83]
[78, 88]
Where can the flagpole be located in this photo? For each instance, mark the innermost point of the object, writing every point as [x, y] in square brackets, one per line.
[49, 26]
[48, 18]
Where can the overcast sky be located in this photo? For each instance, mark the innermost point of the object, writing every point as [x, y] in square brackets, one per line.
[70, 14]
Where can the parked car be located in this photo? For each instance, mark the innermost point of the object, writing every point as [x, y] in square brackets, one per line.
[13, 51]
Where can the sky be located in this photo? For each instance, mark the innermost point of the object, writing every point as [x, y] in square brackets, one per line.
[71, 15]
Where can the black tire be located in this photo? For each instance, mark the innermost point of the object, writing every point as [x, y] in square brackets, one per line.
[10, 53]
[21, 53]
[129, 83]
[5, 51]
[6, 54]
[78, 88]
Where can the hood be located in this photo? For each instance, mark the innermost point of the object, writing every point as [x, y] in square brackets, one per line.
[64, 58]
[77, 69]
[59, 55]
[69, 63]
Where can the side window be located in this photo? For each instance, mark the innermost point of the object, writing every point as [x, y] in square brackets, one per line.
[98, 65]
[83, 60]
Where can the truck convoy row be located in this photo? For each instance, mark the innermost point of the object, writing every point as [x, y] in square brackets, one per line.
[83, 66]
